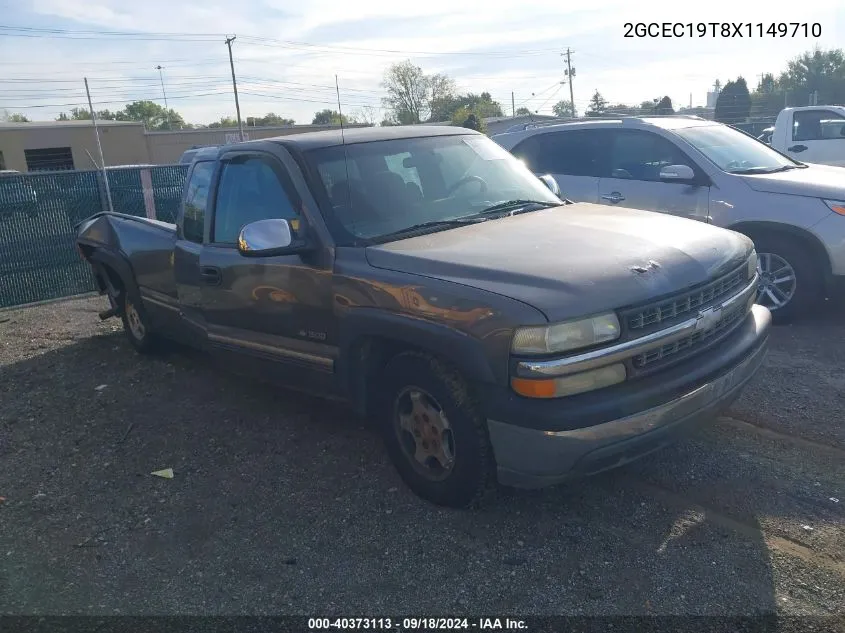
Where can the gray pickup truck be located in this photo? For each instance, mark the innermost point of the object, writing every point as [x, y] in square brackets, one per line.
[428, 278]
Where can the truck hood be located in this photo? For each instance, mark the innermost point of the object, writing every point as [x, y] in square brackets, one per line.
[573, 260]
[816, 181]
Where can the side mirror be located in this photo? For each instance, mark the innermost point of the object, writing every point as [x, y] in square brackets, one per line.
[265, 238]
[677, 172]
[551, 183]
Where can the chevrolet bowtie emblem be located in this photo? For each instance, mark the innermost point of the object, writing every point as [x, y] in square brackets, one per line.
[708, 318]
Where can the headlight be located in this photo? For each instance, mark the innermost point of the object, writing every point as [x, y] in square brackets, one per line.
[570, 385]
[752, 265]
[837, 206]
[563, 337]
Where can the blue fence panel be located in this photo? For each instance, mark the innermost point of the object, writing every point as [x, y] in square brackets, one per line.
[38, 212]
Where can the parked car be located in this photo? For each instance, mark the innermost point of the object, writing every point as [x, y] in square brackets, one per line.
[17, 194]
[426, 277]
[812, 134]
[693, 168]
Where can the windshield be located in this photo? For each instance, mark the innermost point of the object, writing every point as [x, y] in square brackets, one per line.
[735, 152]
[402, 183]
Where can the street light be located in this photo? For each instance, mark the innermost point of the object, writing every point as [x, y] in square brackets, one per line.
[166, 109]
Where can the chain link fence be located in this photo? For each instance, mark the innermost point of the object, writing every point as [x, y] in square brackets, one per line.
[38, 212]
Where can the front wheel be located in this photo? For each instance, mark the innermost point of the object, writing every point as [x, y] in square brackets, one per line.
[437, 440]
[790, 282]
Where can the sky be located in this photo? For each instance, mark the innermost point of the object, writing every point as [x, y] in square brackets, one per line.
[286, 54]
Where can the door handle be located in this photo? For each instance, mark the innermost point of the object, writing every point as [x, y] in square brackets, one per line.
[211, 275]
[613, 197]
[796, 148]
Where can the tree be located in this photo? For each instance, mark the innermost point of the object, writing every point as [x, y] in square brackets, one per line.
[329, 117]
[481, 104]
[225, 121]
[734, 102]
[365, 115]
[407, 92]
[597, 104]
[647, 107]
[563, 109]
[523, 111]
[767, 84]
[83, 114]
[414, 97]
[441, 88]
[271, 118]
[17, 118]
[664, 106]
[817, 70]
[152, 115]
[468, 118]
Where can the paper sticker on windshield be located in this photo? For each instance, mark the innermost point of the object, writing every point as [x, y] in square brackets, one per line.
[486, 149]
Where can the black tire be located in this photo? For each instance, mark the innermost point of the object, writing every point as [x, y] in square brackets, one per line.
[472, 471]
[809, 284]
[138, 332]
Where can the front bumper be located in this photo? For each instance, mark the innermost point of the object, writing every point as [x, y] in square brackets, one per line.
[531, 458]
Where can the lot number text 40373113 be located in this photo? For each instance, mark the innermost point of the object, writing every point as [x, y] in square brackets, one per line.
[722, 29]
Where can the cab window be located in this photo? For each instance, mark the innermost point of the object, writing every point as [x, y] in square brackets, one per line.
[252, 188]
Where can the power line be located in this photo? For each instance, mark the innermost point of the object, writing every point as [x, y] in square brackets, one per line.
[20, 31]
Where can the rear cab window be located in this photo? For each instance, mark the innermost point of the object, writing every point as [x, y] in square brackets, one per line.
[196, 201]
[817, 125]
[570, 153]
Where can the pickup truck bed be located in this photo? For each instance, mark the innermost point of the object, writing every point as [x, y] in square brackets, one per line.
[146, 245]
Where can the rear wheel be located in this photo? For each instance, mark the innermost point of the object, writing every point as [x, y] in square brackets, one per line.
[136, 324]
[437, 440]
[790, 281]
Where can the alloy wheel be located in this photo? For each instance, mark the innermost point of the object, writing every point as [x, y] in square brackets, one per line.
[778, 281]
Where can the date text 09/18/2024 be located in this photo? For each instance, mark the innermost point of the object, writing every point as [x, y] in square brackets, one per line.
[416, 624]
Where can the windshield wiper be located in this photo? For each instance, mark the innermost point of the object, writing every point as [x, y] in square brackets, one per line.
[433, 224]
[767, 170]
[515, 204]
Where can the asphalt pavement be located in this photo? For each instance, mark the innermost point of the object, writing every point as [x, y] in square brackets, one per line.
[284, 504]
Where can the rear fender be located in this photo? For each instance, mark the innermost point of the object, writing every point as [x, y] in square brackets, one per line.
[102, 258]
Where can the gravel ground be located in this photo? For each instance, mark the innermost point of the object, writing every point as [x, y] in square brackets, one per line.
[282, 504]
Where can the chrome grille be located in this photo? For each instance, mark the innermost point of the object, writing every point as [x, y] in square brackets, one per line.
[686, 302]
[722, 326]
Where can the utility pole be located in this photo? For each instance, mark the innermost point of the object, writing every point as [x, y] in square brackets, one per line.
[166, 109]
[229, 41]
[513, 105]
[99, 145]
[570, 73]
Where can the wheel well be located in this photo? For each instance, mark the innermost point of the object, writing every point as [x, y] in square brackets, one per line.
[370, 355]
[809, 242]
[114, 277]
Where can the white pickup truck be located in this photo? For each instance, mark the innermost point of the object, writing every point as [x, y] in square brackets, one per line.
[812, 134]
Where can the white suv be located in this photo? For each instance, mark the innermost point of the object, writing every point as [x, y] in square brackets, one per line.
[698, 169]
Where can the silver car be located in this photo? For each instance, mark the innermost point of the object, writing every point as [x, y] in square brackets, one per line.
[706, 171]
